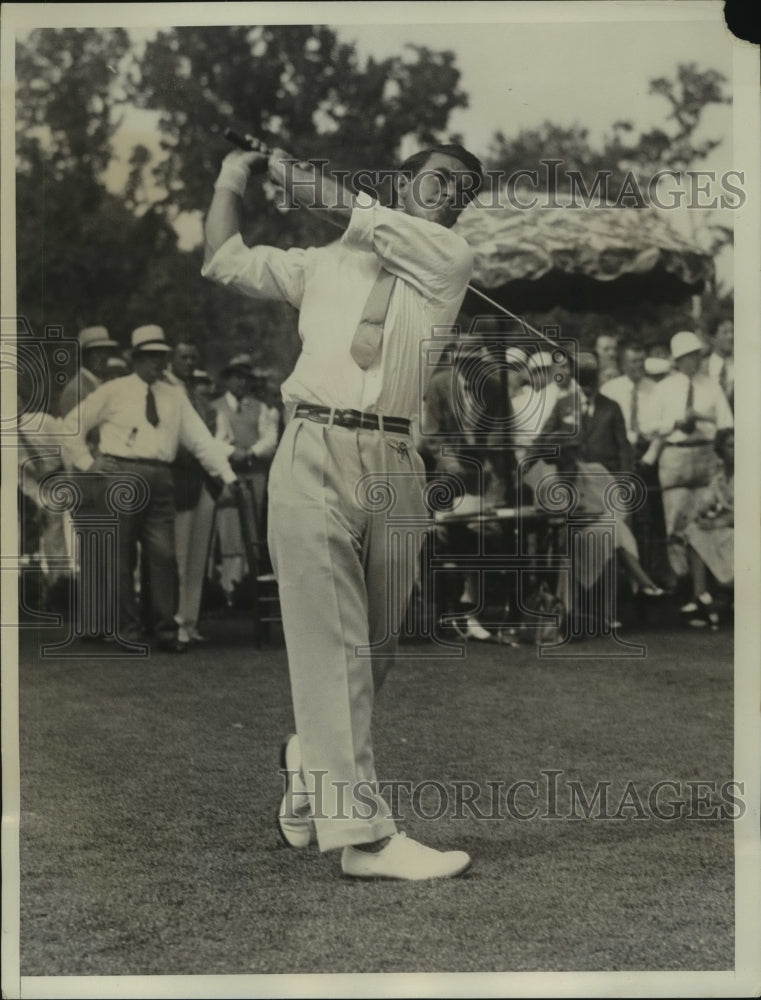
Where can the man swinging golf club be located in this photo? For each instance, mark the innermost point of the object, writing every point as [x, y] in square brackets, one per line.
[365, 303]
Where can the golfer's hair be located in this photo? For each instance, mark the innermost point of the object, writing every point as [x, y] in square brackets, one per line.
[473, 166]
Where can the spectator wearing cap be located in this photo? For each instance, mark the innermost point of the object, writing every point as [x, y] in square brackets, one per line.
[96, 347]
[253, 428]
[721, 360]
[203, 384]
[142, 421]
[688, 410]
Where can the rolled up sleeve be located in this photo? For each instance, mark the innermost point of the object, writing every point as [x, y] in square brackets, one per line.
[261, 272]
[210, 451]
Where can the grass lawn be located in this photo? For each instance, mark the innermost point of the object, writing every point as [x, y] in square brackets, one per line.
[149, 789]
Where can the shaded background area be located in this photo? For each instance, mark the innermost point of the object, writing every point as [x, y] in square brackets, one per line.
[149, 789]
[119, 140]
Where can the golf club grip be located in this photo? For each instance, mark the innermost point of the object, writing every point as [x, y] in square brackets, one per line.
[245, 144]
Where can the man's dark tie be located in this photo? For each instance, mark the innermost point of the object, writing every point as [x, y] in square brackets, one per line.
[151, 413]
[690, 396]
[634, 414]
[369, 333]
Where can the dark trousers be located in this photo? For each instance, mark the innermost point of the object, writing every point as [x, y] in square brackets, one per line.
[649, 528]
[149, 525]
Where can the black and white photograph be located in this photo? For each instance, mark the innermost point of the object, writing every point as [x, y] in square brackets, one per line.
[374, 621]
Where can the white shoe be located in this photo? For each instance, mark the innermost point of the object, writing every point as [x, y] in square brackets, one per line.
[403, 858]
[475, 630]
[293, 820]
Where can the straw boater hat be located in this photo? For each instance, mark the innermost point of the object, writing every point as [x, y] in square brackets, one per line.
[149, 338]
[685, 342]
[95, 336]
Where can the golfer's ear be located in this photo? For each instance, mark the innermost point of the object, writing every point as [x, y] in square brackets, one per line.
[401, 183]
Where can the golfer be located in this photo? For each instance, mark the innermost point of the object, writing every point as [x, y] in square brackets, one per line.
[365, 302]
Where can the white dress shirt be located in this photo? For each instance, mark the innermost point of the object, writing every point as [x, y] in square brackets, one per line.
[669, 404]
[330, 285]
[621, 391]
[117, 408]
[268, 427]
[715, 364]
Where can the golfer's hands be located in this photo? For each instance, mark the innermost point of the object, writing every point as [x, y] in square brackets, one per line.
[237, 167]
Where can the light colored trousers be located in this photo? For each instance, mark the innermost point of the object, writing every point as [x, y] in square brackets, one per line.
[192, 534]
[346, 521]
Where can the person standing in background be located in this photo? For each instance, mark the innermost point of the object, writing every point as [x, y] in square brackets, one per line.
[688, 411]
[721, 360]
[606, 349]
[194, 499]
[142, 421]
[252, 428]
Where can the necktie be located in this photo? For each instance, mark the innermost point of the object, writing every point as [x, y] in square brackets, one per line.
[151, 413]
[369, 333]
[634, 414]
[690, 396]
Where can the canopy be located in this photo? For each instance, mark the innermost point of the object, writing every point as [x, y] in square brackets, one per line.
[596, 259]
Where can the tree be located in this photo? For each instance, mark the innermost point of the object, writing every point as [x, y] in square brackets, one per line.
[622, 153]
[87, 253]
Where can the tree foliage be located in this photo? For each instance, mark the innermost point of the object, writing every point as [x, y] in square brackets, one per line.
[88, 254]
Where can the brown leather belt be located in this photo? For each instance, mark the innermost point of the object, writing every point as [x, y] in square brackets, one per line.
[352, 419]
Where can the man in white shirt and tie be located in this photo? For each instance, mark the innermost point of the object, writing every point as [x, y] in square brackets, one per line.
[365, 301]
[688, 410]
[142, 421]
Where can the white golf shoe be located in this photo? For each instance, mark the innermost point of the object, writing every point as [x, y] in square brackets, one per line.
[403, 858]
[293, 820]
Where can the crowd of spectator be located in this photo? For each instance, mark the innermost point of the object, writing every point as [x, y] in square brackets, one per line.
[598, 419]
[153, 414]
[496, 422]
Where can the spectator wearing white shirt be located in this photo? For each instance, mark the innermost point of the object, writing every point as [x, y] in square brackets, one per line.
[688, 410]
[143, 420]
[721, 360]
[252, 427]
